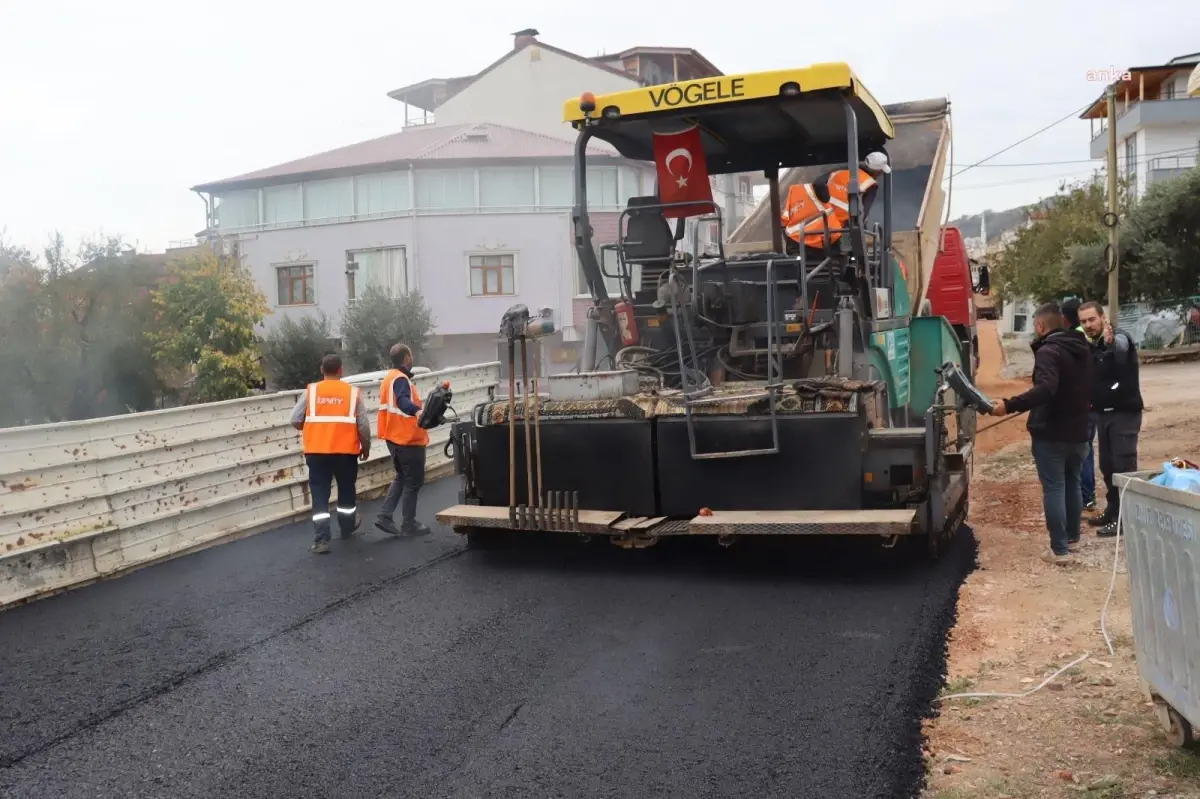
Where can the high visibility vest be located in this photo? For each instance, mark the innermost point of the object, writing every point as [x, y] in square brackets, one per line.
[805, 215]
[331, 425]
[395, 425]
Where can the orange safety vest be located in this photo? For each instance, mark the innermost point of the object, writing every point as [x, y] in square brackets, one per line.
[395, 425]
[805, 215]
[331, 425]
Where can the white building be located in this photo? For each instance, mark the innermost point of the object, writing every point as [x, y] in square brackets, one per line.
[1158, 124]
[470, 203]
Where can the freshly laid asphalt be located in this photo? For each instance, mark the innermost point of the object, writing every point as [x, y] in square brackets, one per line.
[413, 668]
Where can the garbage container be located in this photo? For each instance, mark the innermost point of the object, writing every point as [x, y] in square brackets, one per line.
[1161, 527]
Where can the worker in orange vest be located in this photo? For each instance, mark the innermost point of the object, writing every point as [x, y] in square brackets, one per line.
[824, 204]
[337, 434]
[399, 413]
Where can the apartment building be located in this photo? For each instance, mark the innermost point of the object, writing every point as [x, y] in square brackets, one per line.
[1158, 123]
[469, 203]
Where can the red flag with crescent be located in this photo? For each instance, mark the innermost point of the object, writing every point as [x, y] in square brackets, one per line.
[682, 173]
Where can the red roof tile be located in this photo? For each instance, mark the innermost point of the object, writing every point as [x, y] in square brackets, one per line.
[423, 144]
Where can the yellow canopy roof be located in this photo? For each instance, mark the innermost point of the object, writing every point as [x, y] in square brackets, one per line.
[762, 120]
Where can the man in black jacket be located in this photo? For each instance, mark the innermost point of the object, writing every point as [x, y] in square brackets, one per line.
[1058, 406]
[1116, 404]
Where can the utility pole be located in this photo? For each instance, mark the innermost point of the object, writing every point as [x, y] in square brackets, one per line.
[1111, 218]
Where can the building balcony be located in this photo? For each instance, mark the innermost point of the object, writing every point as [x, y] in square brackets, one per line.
[1145, 114]
[1167, 167]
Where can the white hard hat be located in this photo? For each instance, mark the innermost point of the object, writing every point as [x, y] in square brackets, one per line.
[878, 162]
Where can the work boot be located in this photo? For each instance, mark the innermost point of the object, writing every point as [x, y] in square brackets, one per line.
[1107, 531]
[414, 528]
[1057, 560]
[321, 536]
[1090, 506]
[386, 524]
[1101, 520]
[1074, 546]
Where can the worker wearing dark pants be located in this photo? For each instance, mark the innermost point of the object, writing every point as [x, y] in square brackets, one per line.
[1058, 407]
[1087, 478]
[399, 412]
[337, 434]
[1117, 405]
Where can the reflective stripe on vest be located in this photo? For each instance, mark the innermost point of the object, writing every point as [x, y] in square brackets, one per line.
[804, 213]
[331, 424]
[395, 425]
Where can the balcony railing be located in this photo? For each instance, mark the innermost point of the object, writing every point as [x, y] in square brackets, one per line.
[1180, 162]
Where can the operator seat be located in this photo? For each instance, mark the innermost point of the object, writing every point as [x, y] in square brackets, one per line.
[648, 239]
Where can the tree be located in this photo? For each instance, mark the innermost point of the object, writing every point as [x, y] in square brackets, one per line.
[71, 331]
[376, 321]
[206, 312]
[292, 352]
[1035, 263]
[1066, 251]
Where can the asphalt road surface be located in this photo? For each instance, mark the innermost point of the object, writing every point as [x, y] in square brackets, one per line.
[412, 668]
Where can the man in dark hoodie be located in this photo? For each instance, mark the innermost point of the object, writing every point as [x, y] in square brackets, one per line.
[1058, 406]
[1116, 404]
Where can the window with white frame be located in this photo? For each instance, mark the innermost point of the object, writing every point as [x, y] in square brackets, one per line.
[508, 187]
[328, 200]
[492, 274]
[602, 187]
[384, 268]
[237, 210]
[382, 193]
[295, 284]
[556, 187]
[283, 205]
[445, 189]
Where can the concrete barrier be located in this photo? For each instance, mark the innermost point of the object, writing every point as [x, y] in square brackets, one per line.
[82, 501]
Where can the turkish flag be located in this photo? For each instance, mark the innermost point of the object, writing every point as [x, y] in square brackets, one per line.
[682, 173]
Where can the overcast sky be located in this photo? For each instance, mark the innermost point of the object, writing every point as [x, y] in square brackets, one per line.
[110, 111]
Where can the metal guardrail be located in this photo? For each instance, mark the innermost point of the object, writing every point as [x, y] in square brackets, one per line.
[81, 501]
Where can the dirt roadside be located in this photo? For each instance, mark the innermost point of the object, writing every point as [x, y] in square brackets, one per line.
[1091, 732]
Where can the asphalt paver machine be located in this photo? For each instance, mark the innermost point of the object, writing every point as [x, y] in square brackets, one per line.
[788, 391]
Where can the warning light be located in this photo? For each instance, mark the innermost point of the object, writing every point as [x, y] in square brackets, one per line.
[705, 512]
[587, 102]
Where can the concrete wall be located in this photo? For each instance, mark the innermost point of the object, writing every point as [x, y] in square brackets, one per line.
[82, 501]
[528, 91]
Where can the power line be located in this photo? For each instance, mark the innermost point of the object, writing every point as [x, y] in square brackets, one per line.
[1098, 161]
[1074, 113]
[1099, 169]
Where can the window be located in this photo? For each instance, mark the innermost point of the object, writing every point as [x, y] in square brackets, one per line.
[506, 187]
[602, 187]
[1131, 164]
[296, 285]
[556, 188]
[328, 200]
[630, 185]
[492, 275]
[283, 205]
[382, 193]
[385, 268]
[445, 189]
[237, 210]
